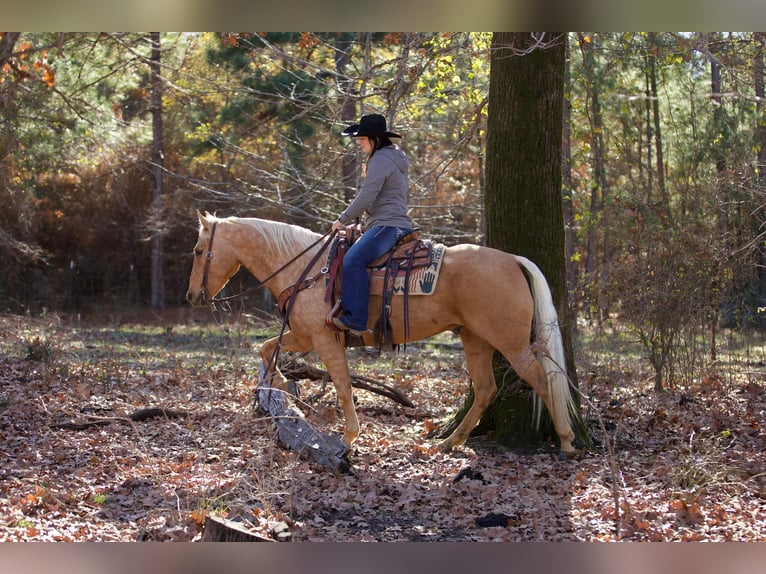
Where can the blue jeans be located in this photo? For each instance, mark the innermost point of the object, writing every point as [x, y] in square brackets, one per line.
[355, 286]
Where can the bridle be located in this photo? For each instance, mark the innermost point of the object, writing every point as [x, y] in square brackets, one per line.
[209, 256]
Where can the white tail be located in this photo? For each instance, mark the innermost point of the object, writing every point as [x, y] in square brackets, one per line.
[550, 345]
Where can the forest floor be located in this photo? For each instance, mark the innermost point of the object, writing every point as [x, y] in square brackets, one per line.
[686, 464]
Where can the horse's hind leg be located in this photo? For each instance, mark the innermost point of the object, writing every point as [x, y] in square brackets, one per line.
[529, 368]
[478, 355]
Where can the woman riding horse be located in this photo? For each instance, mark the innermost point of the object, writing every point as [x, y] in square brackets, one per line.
[383, 196]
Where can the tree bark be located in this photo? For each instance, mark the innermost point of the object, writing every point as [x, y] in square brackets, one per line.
[296, 433]
[653, 50]
[219, 529]
[599, 188]
[568, 185]
[649, 136]
[720, 168]
[7, 45]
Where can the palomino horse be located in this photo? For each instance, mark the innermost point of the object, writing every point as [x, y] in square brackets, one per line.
[481, 292]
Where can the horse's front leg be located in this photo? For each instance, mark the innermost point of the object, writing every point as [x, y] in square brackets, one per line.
[333, 355]
[289, 343]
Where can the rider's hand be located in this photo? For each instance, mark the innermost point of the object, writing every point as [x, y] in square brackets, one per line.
[337, 225]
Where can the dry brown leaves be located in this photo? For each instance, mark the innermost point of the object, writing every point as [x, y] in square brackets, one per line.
[691, 461]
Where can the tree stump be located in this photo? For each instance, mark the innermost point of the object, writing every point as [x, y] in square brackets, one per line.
[218, 529]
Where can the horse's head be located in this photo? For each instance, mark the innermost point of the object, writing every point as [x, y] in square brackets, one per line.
[214, 262]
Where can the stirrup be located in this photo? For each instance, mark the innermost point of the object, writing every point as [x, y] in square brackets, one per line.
[333, 312]
[343, 327]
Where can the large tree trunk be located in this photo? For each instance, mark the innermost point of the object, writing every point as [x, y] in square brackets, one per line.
[523, 200]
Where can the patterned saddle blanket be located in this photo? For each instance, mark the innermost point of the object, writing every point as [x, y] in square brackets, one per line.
[410, 268]
[416, 268]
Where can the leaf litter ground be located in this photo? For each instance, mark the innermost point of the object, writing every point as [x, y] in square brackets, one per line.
[688, 464]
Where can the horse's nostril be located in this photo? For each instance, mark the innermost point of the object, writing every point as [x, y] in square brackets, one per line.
[198, 299]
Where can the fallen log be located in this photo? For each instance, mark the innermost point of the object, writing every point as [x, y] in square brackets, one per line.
[296, 433]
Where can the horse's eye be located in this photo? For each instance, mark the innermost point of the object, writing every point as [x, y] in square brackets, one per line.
[198, 252]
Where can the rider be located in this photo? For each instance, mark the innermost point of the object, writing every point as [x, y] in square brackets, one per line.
[384, 195]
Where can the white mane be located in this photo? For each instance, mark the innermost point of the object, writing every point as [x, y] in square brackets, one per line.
[279, 237]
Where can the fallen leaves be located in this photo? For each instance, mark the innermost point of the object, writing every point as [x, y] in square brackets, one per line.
[691, 462]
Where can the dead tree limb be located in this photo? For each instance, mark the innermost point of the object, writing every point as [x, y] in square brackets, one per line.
[151, 412]
[295, 370]
[135, 416]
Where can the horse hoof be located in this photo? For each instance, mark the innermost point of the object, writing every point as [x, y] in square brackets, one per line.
[570, 455]
[348, 439]
[445, 446]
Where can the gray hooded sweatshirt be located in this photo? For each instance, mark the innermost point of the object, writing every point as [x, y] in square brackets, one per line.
[384, 194]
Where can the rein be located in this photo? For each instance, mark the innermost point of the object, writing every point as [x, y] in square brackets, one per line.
[209, 256]
[289, 304]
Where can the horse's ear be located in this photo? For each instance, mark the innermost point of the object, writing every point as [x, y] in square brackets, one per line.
[202, 219]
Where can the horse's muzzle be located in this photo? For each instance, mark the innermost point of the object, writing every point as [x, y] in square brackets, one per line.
[198, 300]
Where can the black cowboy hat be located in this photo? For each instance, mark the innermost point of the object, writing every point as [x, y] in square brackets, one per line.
[369, 125]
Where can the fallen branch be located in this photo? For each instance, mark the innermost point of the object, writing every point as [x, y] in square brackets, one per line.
[295, 370]
[135, 416]
[80, 425]
[151, 412]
